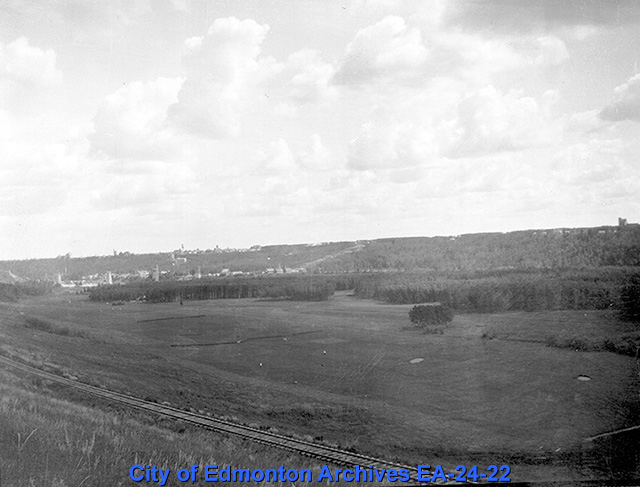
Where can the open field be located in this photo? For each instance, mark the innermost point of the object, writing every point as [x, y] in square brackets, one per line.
[341, 371]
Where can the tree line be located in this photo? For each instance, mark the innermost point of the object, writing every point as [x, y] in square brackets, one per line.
[294, 287]
[492, 292]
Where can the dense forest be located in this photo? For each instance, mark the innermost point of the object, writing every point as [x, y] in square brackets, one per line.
[294, 287]
[542, 249]
[502, 290]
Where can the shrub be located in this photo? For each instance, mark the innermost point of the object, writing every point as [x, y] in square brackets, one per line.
[430, 314]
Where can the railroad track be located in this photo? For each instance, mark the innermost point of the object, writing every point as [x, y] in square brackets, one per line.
[324, 453]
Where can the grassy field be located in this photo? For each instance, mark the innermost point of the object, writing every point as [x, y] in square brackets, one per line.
[489, 390]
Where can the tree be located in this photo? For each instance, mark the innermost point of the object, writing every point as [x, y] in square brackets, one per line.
[630, 300]
[430, 314]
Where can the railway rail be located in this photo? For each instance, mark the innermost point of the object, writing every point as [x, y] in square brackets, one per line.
[324, 453]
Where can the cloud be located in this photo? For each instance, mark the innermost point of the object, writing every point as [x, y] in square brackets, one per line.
[223, 68]
[586, 122]
[391, 145]
[416, 52]
[409, 139]
[23, 63]
[131, 123]
[149, 193]
[487, 121]
[387, 48]
[37, 170]
[318, 157]
[25, 70]
[278, 159]
[182, 5]
[626, 103]
[598, 170]
[310, 81]
[473, 58]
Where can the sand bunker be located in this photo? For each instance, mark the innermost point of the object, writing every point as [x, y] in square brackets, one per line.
[583, 378]
[416, 360]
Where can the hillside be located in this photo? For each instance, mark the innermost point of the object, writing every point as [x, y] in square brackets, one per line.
[8, 277]
[531, 249]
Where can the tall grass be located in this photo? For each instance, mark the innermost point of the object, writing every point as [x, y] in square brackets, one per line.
[51, 442]
[50, 327]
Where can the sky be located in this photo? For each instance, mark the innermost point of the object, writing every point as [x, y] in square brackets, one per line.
[143, 125]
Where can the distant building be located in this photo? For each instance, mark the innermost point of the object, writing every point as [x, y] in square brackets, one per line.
[622, 222]
[156, 273]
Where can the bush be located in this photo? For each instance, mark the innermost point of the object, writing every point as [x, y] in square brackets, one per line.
[430, 314]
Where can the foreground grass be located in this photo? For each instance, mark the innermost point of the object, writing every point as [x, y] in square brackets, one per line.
[47, 441]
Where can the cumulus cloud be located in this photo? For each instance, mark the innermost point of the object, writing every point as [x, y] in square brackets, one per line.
[416, 52]
[587, 121]
[601, 166]
[278, 158]
[386, 48]
[473, 58]
[223, 68]
[25, 70]
[37, 170]
[131, 123]
[310, 81]
[391, 145]
[487, 121]
[24, 63]
[148, 193]
[317, 156]
[626, 103]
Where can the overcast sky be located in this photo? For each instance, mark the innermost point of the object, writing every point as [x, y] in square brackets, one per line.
[143, 125]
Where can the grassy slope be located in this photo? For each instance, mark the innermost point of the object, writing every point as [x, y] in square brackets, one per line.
[49, 441]
[471, 400]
